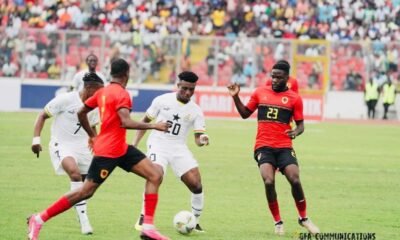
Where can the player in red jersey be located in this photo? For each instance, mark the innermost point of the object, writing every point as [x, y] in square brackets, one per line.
[110, 150]
[277, 105]
[292, 83]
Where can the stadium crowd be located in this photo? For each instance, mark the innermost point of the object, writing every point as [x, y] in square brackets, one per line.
[123, 21]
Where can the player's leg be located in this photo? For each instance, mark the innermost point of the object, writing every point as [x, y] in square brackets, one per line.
[267, 172]
[64, 203]
[99, 170]
[292, 174]
[192, 179]
[159, 158]
[135, 161]
[69, 164]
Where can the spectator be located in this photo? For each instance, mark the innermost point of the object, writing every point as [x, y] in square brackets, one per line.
[353, 81]
[9, 69]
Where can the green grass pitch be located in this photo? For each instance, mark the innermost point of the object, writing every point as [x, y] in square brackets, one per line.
[350, 174]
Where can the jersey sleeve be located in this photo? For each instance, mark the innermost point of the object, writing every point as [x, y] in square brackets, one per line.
[154, 109]
[199, 125]
[298, 110]
[55, 106]
[253, 102]
[76, 81]
[124, 101]
[92, 101]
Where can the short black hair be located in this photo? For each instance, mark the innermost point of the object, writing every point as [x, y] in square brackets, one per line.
[188, 76]
[92, 77]
[91, 55]
[119, 67]
[282, 65]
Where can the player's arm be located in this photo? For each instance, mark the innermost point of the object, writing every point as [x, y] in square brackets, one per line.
[128, 123]
[234, 90]
[201, 139]
[293, 133]
[39, 123]
[141, 132]
[84, 121]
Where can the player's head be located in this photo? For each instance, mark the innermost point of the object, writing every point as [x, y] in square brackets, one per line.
[91, 61]
[186, 85]
[280, 75]
[120, 71]
[91, 83]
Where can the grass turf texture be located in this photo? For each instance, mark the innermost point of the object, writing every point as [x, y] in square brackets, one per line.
[350, 174]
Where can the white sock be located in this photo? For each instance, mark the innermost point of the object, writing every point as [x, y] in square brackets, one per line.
[197, 205]
[80, 207]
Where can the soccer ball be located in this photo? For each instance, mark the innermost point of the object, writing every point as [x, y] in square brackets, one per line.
[184, 222]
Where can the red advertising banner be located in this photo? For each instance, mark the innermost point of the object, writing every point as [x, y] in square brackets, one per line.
[220, 104]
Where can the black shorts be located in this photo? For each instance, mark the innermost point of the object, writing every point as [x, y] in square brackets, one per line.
[277, 157]
[102, 167]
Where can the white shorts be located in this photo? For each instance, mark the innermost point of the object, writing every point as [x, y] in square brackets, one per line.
[83, 157]
[180, 158]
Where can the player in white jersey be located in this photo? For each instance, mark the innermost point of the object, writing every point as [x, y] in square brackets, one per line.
[91, 62]
[170, 148]
[68, 146]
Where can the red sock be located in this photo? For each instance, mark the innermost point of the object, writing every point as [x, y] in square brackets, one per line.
[56, 208]
[301, 208]
[274, 208]
[150, 204]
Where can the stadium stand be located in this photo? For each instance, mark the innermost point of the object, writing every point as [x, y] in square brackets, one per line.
[142, 32]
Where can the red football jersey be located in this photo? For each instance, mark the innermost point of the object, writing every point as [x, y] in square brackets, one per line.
[275, 111]
[111, 141]
[291, 83]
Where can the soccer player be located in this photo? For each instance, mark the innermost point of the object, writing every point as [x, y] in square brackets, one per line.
[110, 150]
[170, 148]
[68, 145]
[276, 106]
[91, 62]
[292, 83]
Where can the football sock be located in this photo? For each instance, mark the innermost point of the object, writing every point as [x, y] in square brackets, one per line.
[301, 208]
[197, 205]
[150, 204]
[80, 207]
[56, 208]
[274, 208]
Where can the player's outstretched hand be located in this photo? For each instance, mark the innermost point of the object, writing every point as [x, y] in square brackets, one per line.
[36, 148]
[291, 133]
[162, 126]
[233, 89]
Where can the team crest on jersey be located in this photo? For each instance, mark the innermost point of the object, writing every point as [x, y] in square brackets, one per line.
[187, 118]
[103, 173]
[285, 100]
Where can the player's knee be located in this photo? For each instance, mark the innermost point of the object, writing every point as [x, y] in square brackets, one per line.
[155, 178]
[295, 181]
[269, 182]
[75, 177]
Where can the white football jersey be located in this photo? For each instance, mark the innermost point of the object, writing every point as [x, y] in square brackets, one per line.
[77, 81]
[183, 117]
[66, 128]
